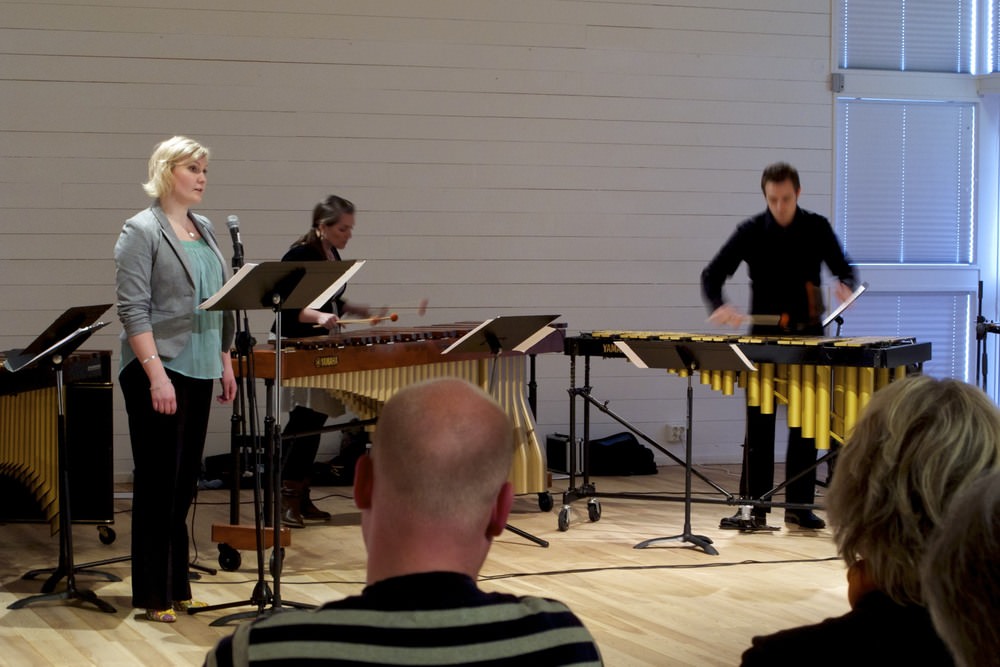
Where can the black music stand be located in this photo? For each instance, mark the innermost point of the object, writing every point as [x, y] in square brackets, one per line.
[58, 341]
[274, 286]
[692, 356]
[837, 314]
[510, 332]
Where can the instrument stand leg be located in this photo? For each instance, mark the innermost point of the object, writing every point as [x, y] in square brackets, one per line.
[700, 541]
[744, 520]
[829, 458]
[200, 568]
[528, 536]
[66, 568]
[261, 595]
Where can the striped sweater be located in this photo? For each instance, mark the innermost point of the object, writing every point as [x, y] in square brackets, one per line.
[437, 618]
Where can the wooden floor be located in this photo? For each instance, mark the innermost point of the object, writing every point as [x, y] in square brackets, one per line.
[667, 605]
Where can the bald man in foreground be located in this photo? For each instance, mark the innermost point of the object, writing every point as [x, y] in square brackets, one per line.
[433, 493]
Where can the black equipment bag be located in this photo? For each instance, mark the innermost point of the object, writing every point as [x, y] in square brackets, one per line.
[620, 454]
[339, 471]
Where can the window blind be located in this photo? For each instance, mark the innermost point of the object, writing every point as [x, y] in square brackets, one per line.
[917, 35]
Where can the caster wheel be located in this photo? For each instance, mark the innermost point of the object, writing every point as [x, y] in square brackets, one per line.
[594, 510]
[274, 565]
[564, 519]
[106, 534]
[545, 501]
[229, 558]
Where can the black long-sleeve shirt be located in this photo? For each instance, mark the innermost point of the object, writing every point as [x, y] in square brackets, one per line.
[784, 267]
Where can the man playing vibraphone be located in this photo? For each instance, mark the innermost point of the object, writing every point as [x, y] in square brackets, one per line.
[784, 248]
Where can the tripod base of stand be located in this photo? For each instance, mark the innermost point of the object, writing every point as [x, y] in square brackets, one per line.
[71, 593]
[261, 598]
[748, 526]
[58, 573]
[699, 541]
[528, 536]
[745, 522]
[226, 620]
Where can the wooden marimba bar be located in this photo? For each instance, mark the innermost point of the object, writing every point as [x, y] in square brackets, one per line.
[363, 369]
[825, 382]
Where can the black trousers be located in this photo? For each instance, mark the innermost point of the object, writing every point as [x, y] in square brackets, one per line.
[298, 454]
[758, 471]
[167, 452]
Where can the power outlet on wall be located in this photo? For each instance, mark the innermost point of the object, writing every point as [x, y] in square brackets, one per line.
[675, 433]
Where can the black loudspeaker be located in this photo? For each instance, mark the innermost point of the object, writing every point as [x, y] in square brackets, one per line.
[90, 436]
[90, 440]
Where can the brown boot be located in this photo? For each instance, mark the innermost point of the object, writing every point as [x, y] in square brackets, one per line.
[310, 511]
[291, 504]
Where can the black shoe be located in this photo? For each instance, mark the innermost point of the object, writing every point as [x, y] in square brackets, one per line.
[804, 519]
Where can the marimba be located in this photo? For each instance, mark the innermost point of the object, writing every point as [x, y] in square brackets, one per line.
[29, 461]
[824, 381]
[364, 368]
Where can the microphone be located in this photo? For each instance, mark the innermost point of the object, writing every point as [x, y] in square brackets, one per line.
[233, 222]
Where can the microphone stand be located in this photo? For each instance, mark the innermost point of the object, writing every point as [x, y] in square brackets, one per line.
[983, 327]
[243, 341]
[244, 413]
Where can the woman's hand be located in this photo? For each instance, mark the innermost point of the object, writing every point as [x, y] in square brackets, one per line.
[365, 311]
[329, 321]
[163, 396]
[228, 380]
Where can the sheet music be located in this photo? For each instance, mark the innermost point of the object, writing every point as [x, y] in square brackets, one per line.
[630, 354]
[323, 297]
[742, 357]
[225, 289]
[534, 338]
[337, 285]
[467, 336]
[16, 359]
[524, 330]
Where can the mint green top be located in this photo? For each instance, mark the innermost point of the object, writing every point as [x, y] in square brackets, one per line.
[202, 358]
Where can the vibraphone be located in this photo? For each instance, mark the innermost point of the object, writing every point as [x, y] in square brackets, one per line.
[825, 382]
[29, 462]
[365, 368]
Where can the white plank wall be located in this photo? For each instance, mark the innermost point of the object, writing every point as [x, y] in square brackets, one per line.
[580, 157]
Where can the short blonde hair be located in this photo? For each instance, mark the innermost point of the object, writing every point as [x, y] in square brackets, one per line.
[167, 155]
[918, 442]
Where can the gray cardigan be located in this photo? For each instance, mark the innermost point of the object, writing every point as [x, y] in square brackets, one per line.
[155, 285]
